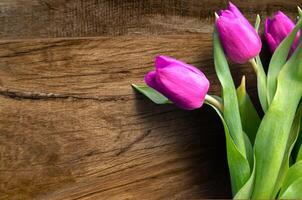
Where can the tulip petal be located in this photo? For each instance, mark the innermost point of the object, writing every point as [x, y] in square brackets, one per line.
[271, 41]
[164, 61]
[269, 38]
[237, 13]
[239, 38]
[240, 42]
[186, 90]
[227, 13]
[150, 79]
[278, 28]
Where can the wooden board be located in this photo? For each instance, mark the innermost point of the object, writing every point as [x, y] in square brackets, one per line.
[71, 124]
[74, 18]
[71, 127]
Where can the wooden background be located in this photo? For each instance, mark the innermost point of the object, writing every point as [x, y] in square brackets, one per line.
[71, 127]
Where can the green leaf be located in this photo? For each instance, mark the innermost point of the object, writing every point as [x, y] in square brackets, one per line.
[248, 114]
[294, 191]
[249, 150]
[246, 191]
[297, 151]
[239, 166]
[300, 11]
[272, 144]
[278, 60]
[238, 163]
[257, 23]
[261, 84]
[294, 173]
[290, 145]
[261, 76]
[152, 94]
[231, 112]
[299, 156]
[298, 147]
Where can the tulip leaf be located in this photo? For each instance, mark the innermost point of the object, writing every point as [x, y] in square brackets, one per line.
[278, 60]
[231, 112]
[257, 23]
[274, 137]
[152, 94]
[239, 169]
[290, 144]
[261, 76]
[249, 150]
[261, 84]
[294, 191]
[299, 155]
[297, 151]
[248, 114]
[246, 191]
[239, 166]
[294, 173]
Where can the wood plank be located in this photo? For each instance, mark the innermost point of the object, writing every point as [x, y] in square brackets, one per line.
[78, 18]
[81, 149]
[71, 127]
[101, 67]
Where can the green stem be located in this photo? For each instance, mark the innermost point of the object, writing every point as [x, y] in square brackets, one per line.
[214, 102]
[254, 65]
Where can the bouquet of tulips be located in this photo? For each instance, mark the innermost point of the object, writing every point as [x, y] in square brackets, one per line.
[264, 154]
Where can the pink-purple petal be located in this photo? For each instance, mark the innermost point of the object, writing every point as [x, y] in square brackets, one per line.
[277, 29]
[183, 84]
[239, 38]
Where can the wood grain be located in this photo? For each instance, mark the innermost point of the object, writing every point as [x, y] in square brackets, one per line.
[76, 18]
[71, 127]
[103, 66]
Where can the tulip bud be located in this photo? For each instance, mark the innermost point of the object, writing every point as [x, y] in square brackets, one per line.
[277, 29]
[181, 83]
[239, 38]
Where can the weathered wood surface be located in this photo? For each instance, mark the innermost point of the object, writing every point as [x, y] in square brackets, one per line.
[71, 123]
[74, 18]
[71, 127]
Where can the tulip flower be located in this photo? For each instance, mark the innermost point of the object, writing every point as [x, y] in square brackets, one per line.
[277, 28]
[181, 83]
[239, 38]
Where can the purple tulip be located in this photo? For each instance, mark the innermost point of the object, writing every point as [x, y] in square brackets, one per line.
[238, 37]
[181, 83]
[277, 28]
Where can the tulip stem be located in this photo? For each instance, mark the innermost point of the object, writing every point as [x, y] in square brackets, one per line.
[214, 102]
[254, 64]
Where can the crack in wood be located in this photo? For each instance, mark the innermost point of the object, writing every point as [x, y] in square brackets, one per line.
[19, 95]
[130, 145]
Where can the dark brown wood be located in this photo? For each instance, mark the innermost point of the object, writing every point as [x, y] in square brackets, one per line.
[75, 18]
[71, 127]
